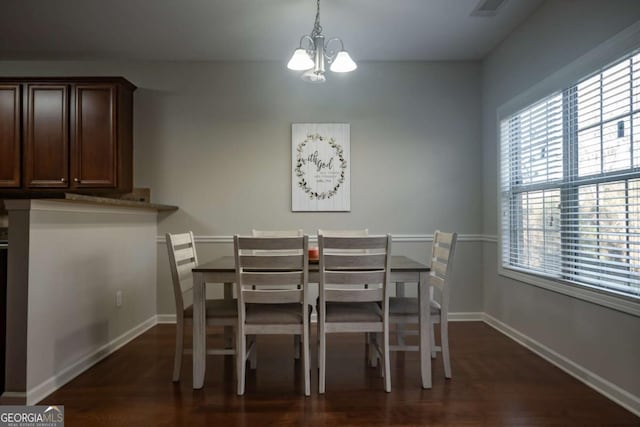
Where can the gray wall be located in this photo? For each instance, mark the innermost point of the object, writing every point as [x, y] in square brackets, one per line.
[599, 339]
[215, 139]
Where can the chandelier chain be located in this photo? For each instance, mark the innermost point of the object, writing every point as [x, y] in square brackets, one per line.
[317, 28]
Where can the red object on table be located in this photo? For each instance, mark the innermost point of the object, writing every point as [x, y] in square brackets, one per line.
[314, 253]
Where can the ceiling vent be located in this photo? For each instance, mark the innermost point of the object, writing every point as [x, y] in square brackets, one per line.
[488, 7]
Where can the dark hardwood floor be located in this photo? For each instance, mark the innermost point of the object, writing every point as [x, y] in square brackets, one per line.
[496, 382]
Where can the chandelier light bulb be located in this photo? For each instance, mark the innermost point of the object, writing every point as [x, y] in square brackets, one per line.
[300, 60]
[343, 63]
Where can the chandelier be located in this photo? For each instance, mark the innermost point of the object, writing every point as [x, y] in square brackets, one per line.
[313, 51]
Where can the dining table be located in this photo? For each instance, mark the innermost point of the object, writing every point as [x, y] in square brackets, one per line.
[221, 271]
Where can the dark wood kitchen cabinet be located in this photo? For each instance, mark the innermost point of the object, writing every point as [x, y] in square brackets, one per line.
[10, 138]
[46, 141]
[77, 136]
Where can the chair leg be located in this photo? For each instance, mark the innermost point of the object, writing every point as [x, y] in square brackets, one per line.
[400, 328]
[241, 360]
[376, 354]
[321, 360]
[444, 344]
[306, 360]
[385, 356]
[432, 337]
[373, 355]
[296, 346]
[177, 359]
[400, 334]
[253, 357]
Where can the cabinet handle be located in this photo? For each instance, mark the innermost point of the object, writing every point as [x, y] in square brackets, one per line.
[63, 180]
[76, 180]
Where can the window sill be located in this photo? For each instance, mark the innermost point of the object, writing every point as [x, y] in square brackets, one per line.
[620, 303]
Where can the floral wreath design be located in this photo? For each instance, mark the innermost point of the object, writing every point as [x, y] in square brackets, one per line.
[302, 182]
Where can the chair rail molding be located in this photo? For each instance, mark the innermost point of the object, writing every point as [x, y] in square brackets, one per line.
[397, 238]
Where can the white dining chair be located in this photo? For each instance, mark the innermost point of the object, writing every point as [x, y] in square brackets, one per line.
[352, 262]
[405, 310]
[262, 263]
[355, 233]
[297, 232]
[182, 259]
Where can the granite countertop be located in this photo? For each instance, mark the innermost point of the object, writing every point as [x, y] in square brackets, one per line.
[81, 198]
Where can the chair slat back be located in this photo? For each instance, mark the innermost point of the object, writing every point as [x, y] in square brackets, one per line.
[183, 258]
[272, 296]
[269, 244]
[354, 295]
[262, 262]
[344, 233]
[353, 261]
[274, 261]
[355, 243]
[346, 277]
[442, 254]
[278, 233]
[339, 265]
[269, 278]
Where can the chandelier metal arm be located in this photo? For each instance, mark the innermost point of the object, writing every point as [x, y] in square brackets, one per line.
[330, 53]
[310, 44]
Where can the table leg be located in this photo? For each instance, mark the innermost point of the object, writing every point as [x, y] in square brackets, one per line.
[228, 330]
[425, 320]
[399, 326]
[199, 331]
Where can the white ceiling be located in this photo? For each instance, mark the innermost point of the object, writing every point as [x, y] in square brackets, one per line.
[250, 30]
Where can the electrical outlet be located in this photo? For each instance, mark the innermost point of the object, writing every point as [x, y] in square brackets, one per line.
[118, 298]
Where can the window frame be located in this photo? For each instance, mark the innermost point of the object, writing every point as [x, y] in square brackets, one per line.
[562, 81]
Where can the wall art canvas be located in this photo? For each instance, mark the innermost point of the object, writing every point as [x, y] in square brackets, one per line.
[320, 163]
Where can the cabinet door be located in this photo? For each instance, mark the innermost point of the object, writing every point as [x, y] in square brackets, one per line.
[9, 135]
[47, 136]
[94, 136]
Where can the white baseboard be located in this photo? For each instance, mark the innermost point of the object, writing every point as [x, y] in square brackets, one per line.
[42, 390]
[166, 318]
[596, 382]
[470, 316]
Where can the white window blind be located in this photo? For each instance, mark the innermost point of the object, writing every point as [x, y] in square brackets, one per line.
[570, 182]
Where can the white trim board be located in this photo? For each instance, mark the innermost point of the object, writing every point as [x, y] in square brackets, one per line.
[596, 382]
[42, 390]
[397, 238]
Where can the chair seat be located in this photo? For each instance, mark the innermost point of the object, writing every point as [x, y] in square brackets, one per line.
[353, 312]
[216, 308]
[275, 314]
[408, 306]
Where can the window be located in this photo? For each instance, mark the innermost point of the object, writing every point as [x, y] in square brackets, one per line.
[570, 183]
